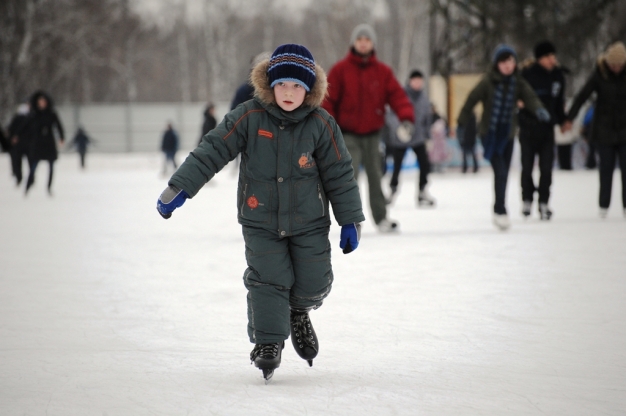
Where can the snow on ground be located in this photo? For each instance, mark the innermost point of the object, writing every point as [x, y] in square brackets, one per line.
[107, 309]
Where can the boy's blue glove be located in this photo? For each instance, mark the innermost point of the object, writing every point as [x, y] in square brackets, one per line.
[543, 115]
[170, 199]
[350, 236]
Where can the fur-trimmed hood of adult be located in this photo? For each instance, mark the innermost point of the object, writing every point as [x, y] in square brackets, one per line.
[264, 93]
[605, 71]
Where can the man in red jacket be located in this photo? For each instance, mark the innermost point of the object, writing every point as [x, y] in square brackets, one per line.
[359, 88]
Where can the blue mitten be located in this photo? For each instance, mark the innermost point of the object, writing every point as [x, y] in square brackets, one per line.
[543, 115]
[350, 236]
[170, 199]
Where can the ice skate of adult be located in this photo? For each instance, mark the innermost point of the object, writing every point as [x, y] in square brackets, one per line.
[266, 357]
[545, 213]
[526, 208]
[303, 336]
[501, 221]
[425, 199]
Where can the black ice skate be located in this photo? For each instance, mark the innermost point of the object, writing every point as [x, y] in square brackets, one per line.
[303, 336]
[266, 357]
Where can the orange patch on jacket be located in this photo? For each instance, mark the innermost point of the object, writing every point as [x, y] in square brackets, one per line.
[252, 202]
[266, 133]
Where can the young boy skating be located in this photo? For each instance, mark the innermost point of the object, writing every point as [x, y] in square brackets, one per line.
[293, 163]
[499, 91]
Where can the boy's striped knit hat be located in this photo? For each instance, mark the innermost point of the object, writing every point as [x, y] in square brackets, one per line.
[292, 63]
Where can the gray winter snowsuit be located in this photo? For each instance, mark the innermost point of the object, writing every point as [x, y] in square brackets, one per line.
[292, 165]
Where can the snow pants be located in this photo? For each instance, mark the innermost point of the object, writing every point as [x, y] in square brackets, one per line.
[289, 272]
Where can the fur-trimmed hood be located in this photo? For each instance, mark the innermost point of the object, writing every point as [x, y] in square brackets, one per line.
[603, 68]
[264, 93]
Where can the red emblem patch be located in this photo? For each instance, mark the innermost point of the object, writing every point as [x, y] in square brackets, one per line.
[252, 202]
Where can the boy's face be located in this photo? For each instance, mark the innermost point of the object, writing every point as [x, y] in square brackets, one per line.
[548, 61]
[364, 45]
[416, 83]
[289, 95]
[507, 66]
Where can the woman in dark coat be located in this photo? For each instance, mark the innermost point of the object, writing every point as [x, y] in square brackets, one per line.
[608, 131]
[39, 127]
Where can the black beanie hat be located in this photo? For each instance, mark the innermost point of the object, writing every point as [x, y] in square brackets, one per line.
[293, 63]
[544, 48]
[416, 73]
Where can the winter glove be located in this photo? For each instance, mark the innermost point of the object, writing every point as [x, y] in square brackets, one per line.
[350, 236]
[171, 199]
[543, 115]
[405, 131]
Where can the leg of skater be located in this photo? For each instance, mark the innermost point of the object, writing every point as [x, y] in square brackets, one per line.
[500, 165]
[423, 197]
[528, 163]
[546, 161]
[310, 256]
[607, 155]
[398, 157]
[50, 174]
[32, 164]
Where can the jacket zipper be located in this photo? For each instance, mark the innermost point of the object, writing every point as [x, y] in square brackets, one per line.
[243, 200]
[319, 194]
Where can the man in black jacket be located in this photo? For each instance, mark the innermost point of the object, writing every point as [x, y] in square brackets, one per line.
[537, 138]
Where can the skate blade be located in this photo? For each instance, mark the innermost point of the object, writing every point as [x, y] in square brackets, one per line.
[267, 375]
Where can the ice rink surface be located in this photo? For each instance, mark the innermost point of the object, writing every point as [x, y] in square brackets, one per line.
[107, 309]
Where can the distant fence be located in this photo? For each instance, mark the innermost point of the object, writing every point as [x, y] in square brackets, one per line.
[136, 127]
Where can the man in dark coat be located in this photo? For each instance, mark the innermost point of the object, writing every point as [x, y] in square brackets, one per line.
[359, 87]
[40, 126]
[537, 138]
[608, 130]
[19, 143]
[169, 146]
[81, 140]
[209, 122]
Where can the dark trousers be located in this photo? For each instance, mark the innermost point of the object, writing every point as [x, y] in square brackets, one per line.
[608, 155]
[82, 158]
[170, 156]
[31, 174]
[537, 140]
[289, 272]
[591, 162]
[564, 152]
[501, 164]
[17, 155]
[468, 150]
[422, 160]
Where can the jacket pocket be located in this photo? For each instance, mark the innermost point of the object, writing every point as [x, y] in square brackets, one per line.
[309, 201]
[255, 201]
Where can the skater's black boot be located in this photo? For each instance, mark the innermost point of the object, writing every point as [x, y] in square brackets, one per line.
[303, 336]
[266, 357]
